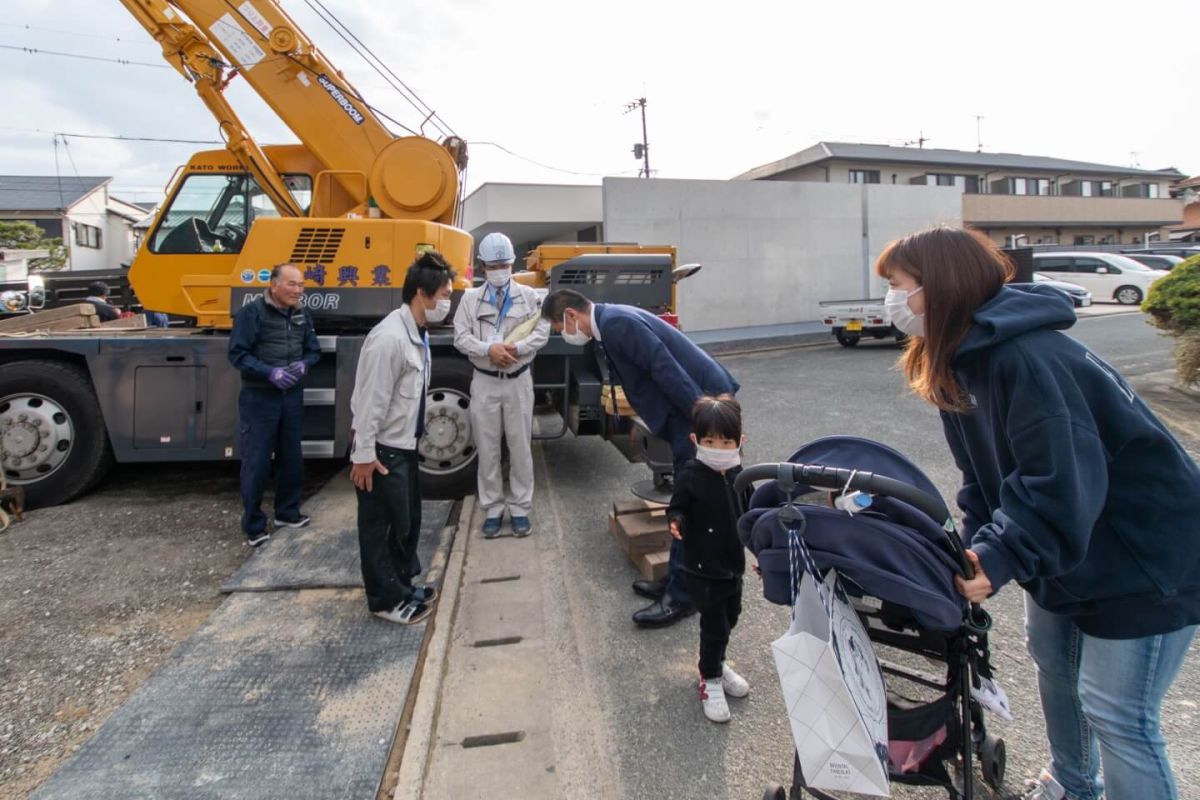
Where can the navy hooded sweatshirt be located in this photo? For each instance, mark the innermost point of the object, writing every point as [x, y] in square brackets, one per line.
[1071, 486]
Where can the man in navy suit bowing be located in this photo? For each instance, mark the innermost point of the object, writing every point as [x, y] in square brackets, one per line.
[663, 374]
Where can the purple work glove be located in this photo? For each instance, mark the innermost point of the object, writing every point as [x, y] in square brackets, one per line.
[298, 369]
[280, 378]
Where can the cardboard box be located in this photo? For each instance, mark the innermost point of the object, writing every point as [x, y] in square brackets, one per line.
[640, 533]
[652, 566]
[632, 505]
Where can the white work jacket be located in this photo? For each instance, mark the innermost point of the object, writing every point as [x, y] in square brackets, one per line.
[476, 329]
[392, 376]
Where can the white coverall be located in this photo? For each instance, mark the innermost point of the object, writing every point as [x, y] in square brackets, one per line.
[501, 407]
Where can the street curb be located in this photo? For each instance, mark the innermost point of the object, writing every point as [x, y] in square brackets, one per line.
[735, 347]
[419, 737]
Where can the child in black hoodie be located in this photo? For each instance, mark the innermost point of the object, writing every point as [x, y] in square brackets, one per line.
[703, 513]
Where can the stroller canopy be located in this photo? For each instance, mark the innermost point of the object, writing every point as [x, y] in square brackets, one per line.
[892, 551]
[847, 452]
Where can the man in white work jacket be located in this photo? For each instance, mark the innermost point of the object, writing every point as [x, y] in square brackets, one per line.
[498, 328]
[388, 419]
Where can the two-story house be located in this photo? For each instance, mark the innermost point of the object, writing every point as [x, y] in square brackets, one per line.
[95, 226]
[1013, 198]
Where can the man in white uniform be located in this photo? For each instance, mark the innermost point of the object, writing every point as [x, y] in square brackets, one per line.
[498, 327]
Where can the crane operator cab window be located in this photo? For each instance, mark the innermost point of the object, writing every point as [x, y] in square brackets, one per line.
[213, 213]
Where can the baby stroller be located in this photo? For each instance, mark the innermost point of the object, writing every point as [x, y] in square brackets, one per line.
[897, 556]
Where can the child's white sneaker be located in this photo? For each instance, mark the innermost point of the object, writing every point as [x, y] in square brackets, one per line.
[712, 695]
[733, 684]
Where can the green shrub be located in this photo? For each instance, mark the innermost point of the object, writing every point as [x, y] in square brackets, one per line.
[1173, 304]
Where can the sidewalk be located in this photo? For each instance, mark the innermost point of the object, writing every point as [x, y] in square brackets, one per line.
[290, 689]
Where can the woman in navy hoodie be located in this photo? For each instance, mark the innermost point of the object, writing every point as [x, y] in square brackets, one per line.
[1073, 489]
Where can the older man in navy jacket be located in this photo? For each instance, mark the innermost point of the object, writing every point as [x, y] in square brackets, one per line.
[663, 373]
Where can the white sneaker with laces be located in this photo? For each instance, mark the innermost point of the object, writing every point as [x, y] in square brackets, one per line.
[1044, 788]
[733, 684]
[712, 695]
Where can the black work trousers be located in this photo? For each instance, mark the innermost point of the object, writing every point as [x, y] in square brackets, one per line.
[719, 601]
[389, 524]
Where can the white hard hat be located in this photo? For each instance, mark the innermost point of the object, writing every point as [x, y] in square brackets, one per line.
[496, 247]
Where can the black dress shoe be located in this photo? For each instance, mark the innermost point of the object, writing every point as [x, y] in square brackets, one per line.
[651, 590]
[661, 613]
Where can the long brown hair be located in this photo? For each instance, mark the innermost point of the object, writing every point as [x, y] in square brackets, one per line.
[959, 271]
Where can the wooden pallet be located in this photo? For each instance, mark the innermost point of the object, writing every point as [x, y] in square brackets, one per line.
[77, 317]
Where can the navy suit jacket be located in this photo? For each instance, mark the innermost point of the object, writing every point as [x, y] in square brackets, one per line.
[662, 371]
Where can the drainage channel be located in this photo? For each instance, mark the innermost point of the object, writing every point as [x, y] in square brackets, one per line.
[492, 739]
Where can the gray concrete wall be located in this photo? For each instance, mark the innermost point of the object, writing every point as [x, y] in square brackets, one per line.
[771, 250]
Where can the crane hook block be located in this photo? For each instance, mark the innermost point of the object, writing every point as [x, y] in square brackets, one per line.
[282, 39]
[415, 178]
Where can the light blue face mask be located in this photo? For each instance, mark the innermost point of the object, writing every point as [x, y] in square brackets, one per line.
[896, 303]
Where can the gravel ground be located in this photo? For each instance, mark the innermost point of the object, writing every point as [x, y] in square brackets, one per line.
[94, 595]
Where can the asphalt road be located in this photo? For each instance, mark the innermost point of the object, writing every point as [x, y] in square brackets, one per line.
[645, 681]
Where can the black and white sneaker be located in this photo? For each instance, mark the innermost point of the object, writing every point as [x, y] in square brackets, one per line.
[258, 539]
[408, 613]
[299, 523]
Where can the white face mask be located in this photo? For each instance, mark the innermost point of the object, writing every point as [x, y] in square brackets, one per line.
[896, 303]
[439, 311]
[577, 338]
[718, 459]
[498, 277]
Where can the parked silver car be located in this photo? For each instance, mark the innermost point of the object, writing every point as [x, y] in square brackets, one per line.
[1080, 296]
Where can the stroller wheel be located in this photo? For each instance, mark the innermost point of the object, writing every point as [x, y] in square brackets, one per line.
[992, 758]
[775, 792]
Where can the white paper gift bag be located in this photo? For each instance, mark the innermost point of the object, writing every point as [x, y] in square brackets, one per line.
[833, 688]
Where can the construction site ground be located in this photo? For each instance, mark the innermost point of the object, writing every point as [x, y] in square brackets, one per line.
[534, 678]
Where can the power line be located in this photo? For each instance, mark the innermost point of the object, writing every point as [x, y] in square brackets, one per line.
[34, 51]
[25, 27]
[546, 166]
[115, 137]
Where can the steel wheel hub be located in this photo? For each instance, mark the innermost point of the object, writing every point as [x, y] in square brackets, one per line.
[447, 445]
[36, 437]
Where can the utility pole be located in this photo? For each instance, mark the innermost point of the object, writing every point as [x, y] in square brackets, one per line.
[919, 141]
[978, 134]
[641, 149]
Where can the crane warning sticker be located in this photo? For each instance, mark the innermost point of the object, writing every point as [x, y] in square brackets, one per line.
[252, 15]
[239, 44]
[340, 98]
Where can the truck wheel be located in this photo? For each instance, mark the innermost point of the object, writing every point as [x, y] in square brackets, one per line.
[847, 339]
[52, 435]
[447, 451]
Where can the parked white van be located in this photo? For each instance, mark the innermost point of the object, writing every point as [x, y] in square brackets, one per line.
[1108, 276]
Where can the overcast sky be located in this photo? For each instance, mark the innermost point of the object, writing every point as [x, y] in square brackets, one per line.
[727, 89]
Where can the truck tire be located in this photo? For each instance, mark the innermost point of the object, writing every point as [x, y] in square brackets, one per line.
[53, 440]
[447, 451]
[846, 339]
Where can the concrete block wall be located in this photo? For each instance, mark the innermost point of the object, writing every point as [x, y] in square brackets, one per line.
[771, 250]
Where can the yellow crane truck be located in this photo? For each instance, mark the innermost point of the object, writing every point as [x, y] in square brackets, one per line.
[352, 205]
